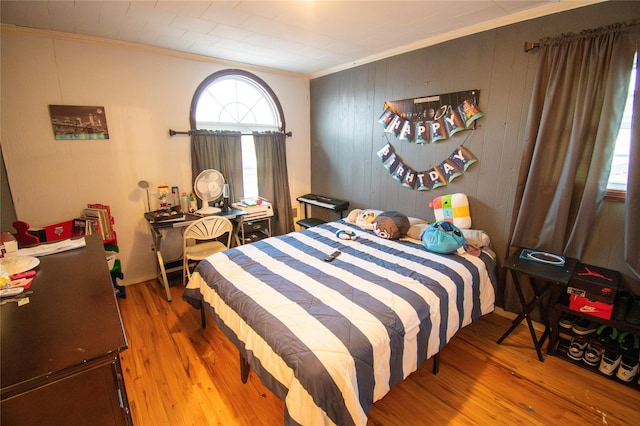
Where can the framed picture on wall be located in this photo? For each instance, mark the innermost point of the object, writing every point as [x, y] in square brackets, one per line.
[78, 122]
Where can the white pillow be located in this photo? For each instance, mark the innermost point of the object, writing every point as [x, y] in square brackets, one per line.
[476, 237]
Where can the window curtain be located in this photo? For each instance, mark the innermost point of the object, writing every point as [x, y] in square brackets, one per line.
[631, 221]
[221, 151]
[573, 121]
[273, 179]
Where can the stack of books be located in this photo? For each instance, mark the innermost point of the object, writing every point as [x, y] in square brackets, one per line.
[96, 219]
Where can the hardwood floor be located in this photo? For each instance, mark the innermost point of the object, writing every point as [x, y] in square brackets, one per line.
[177, 373]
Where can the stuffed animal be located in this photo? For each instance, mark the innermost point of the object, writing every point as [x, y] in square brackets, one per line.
[362, 218]
[453, 208]
[391, 225]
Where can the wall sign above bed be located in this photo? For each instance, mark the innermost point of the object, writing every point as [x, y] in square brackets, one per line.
[426, 120]
[449, 169]
[431, 119]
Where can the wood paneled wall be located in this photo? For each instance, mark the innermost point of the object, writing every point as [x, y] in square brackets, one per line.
[345, 134]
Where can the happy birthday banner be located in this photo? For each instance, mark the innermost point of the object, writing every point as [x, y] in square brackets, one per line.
[432, 118]
[449, 169]
[428, 120]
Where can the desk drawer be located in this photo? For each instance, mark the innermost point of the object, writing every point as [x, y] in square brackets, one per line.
[255, 226]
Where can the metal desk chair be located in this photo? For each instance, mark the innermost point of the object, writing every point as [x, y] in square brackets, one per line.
[201, 239]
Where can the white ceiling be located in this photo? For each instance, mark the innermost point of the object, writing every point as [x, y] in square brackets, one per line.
[304, 36]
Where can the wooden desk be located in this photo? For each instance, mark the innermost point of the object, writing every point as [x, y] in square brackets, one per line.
[60, 352]
[173, 230]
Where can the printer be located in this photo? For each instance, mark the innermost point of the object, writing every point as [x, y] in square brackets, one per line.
[254, 209]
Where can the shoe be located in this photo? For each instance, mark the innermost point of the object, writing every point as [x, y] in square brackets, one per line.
[593, 353]
[610, 361]
[584, 326]
[621, 306]
[628, 369]
[633, 316]
[607, 335]
[568, 320]
[629, 344]
[578, 345]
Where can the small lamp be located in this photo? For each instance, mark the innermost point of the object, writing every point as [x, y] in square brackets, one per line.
[143, 184]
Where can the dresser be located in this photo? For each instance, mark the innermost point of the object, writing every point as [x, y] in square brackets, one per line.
[60, 352]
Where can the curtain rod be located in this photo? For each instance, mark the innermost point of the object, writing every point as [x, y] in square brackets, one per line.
[529, 46]
[190, 132]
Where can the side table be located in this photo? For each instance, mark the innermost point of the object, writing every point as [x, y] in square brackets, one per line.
[544, 278]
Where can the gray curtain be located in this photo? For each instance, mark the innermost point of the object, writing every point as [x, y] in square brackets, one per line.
[631, 221]
[221, 151]
[573, 121]
[273, 179]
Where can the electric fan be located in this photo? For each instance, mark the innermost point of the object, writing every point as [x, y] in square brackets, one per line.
[208, 186]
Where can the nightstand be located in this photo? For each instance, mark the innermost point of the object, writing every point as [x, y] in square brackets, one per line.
[544, 278]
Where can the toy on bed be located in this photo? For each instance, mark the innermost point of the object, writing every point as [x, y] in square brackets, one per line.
[444, 238]
[391, 225]
[453, 208]
[362, 218]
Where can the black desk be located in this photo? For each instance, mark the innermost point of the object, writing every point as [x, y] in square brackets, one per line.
[60, 352]
[554, 280]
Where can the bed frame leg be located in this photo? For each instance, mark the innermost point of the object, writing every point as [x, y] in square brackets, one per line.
[244, 369]
[436, 363]
[203, 317]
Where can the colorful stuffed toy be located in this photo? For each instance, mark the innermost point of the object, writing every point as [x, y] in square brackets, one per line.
[443, 237]
[453, 208]
[362, 218]
[391, 225]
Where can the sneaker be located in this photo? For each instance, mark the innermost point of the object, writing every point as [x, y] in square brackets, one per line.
[593, 353]
[568, 320]
[607, 335]
[578, 345]
[628, 369]
[610, 361]
[629, 343]
[584, 326]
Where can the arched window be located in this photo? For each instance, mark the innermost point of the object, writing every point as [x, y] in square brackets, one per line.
[240, 101]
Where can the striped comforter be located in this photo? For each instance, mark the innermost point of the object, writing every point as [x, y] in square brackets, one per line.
[332, 338]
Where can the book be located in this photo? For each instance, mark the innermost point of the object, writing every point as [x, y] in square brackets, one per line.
[100, 222]
[79, 226]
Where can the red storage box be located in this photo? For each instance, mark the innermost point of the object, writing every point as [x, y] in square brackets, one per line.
[590, 307]
[59, 231]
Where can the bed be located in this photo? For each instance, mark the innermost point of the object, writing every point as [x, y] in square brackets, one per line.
[331, 338]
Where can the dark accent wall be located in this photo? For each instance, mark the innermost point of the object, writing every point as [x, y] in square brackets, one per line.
[345, 134]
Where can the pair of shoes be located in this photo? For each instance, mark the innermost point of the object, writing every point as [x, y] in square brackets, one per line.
[584, 326]
[589, 351]
[568, 320]
[625, 361]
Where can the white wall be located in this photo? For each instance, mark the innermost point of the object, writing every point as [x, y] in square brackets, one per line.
[145, 92]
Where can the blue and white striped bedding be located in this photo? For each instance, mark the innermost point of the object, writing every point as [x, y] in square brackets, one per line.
[332, 338]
